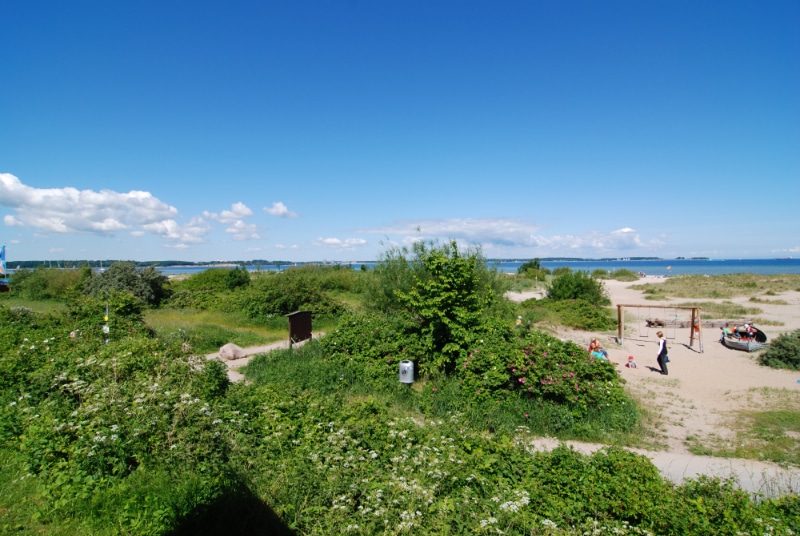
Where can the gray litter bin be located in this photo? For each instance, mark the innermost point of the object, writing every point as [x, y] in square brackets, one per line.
[406, 371]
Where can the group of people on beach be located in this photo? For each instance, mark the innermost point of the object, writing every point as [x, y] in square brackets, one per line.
[596, 351]
[738, 332]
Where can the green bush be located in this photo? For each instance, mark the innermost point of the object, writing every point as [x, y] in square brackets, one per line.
[148, 285]
[376, 343]
[45, 283]
[579, 314]
[271, 295]
[209, 280]
[578, 286]
[533, 270]
[783, 352]
[237, 277]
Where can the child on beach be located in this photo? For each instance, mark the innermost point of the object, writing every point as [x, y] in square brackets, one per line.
[631, 362]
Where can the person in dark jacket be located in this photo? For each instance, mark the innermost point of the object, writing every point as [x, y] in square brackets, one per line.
[662, 353]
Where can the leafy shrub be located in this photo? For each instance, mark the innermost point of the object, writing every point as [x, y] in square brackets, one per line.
[446, 291]
[271, 295]
[237, 277]
[45, 283]
[578, 286]
[135, 437]
[533, 270]
[148, 285]
[210, 280]
[548, 369]
[376, 343]
[579, 314]
[497, 362]
[207, 300]
[783, 352]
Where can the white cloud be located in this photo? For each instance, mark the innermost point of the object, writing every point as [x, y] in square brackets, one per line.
[281, 246]
[512, 237]
[497, 231]
[234, 219]
[238, 212]
[193, 232]
[243, 231]
[69, 210]
[11, 221]
[280, 210]
[339, 244]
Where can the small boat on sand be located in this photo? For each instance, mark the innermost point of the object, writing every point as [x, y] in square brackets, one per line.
[758, 340]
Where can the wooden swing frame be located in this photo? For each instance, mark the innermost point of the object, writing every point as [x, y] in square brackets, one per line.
[694, 325]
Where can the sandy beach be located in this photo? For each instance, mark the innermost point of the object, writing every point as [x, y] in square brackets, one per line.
[705, 392]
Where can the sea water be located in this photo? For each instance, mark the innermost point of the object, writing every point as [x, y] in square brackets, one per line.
[667, 267]
[660, 267]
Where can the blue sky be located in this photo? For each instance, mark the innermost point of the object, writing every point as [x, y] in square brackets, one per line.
[323, 130]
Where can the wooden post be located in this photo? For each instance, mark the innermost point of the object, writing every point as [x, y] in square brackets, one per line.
[620, 326]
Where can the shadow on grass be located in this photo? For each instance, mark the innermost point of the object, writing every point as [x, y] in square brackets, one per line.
[239, 511]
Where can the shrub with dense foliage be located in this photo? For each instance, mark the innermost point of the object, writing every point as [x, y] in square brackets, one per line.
[578, 285]
[578, 314]
[783, 352]
[44, 283]
[263, 296]
[499, 362]
[448, 293]
[148, 285]
[533, 270]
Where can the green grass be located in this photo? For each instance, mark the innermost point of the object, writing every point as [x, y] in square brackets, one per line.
[520, 283]
[206, 331]
[760, 435]
[39, 306]
[24, 500]
[756, 299]
[770, 433]
[725, 309]
[719, 286]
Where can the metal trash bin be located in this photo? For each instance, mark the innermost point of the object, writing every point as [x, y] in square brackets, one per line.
[406, 371]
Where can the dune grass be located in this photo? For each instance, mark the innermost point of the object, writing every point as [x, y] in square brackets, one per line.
[770, 433]
[719, 286]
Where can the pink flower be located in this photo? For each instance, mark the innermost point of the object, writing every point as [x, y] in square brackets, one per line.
[527, 415]
[522, 380]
